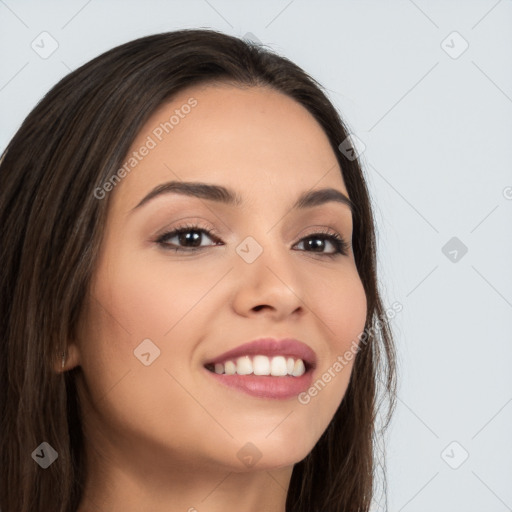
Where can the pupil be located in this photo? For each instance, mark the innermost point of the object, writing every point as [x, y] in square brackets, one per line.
[196, 237]
[318, 245]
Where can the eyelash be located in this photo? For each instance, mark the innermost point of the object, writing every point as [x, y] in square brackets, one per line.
[339, 243]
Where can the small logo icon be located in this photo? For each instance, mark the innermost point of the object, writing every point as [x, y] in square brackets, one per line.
[454, 249]
[249, 250]
[352, 146]
[44, 45]
[507, 193]
[454, 455]
[249, 454]
[45, 455]
[146, 352]
[454, 45]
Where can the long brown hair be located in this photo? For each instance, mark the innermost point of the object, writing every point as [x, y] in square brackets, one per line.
[72, 142]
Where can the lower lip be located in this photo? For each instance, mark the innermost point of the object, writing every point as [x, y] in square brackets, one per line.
[266, 386]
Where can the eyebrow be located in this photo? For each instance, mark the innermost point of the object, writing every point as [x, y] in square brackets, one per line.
[224, 195]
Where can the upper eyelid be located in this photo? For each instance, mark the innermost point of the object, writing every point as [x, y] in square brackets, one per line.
[193, 222]
[213, 232]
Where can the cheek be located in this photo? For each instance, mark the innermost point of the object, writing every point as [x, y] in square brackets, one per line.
[342, 306]
[147, 298]
[135, 301]
[132, 302]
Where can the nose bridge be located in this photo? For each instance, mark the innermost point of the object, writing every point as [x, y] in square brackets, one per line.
[260, 249]
[264, 266]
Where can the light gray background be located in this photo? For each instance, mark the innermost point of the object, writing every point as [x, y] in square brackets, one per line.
[437, 126]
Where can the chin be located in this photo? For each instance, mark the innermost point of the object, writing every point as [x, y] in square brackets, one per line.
[267, 454]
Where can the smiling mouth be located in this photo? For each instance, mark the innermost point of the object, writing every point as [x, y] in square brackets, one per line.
[261, 365]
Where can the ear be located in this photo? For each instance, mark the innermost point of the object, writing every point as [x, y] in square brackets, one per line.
[70, 360]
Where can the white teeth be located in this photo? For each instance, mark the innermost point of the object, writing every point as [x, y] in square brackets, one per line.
[229, 368]
[244, 365]
[298, 368]
[261, 365]
[277, 366]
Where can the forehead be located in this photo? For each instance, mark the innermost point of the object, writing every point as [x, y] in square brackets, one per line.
[254, 138]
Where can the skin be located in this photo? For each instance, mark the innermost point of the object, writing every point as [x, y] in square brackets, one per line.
[165, 437]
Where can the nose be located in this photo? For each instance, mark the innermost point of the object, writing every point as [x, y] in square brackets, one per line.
[268, 285]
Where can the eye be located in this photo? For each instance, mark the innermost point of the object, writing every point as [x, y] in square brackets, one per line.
[189, 236]
[341, 247]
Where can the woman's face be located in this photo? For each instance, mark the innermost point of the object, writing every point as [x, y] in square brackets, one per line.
[155, 317]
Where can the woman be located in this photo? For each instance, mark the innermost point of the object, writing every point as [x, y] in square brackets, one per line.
[190, 312]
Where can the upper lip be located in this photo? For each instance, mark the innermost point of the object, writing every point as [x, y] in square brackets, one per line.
[288, 347]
